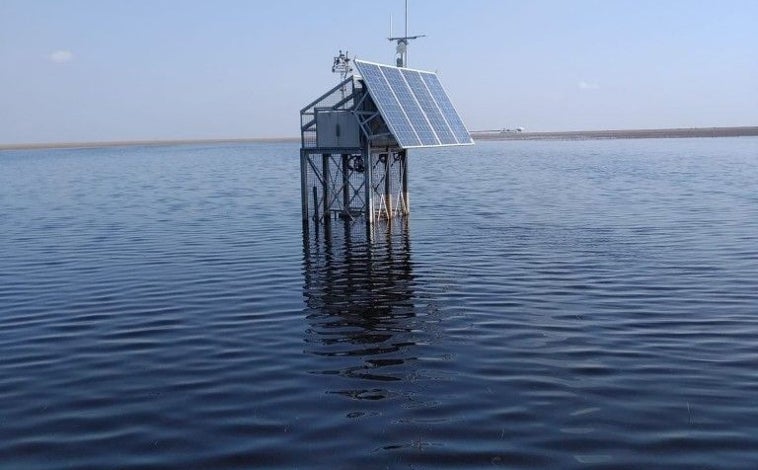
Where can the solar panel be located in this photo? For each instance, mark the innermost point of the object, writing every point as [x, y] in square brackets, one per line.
[430, 107]
[414, 105]
[446, 107]
[411, 107]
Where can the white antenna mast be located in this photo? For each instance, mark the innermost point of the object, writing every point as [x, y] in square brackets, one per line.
[402, 41]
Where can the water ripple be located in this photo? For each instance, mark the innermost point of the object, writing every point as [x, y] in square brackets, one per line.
[547, 305]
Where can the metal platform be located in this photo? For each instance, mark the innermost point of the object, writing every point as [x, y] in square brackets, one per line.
[355, 140]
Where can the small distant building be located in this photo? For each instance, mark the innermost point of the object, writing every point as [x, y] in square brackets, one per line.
[355, 140]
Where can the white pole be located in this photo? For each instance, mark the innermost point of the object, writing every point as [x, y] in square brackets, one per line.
[405, 54]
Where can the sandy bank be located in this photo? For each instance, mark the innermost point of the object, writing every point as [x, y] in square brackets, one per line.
[620, 134]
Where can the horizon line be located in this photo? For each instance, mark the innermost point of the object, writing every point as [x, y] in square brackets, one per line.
[487, 134]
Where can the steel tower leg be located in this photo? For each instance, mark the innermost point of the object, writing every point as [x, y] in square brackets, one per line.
[345, 187]
[304, 183]
[404, 167]
[388, 184]
[325, 187]
[369, 185]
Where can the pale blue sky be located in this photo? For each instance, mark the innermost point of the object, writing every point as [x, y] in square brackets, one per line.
[102, 70]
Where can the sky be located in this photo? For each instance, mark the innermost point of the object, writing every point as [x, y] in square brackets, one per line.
[112, 70]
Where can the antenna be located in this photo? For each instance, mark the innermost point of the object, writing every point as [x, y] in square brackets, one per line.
[343, 66]
[402, 41]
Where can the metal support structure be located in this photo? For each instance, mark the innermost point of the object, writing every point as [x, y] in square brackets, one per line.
[388, 184]
[304, 184]
[406, 194]
[345, 187]
[325, 191]
[369, 186]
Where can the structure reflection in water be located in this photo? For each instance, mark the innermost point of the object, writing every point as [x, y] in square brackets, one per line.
[362, 311]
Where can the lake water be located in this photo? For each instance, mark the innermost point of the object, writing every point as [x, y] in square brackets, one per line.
[589, 304]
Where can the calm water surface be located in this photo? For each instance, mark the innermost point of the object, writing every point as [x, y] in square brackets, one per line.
[548, 305]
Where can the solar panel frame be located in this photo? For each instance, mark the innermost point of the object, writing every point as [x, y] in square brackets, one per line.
[417, 110]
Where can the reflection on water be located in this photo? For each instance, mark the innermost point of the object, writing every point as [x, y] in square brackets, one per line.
[359, 296]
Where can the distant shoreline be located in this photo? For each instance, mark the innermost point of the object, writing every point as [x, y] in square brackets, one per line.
[477, 135]
[620, 134]
[149, 143]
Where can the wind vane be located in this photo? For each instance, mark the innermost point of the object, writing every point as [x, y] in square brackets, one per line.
[402, 41]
